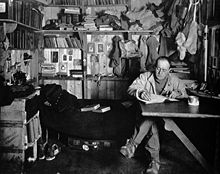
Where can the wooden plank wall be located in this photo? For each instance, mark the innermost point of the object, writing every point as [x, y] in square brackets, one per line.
[106, 89]
[72, 86]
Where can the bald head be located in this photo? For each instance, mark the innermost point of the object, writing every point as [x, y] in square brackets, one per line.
[163, 60]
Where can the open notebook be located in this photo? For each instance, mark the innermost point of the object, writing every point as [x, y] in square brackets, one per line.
[156, 99]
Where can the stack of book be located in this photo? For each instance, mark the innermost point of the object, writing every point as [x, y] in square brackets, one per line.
[48, 69]
[89, 23]
[72, 10]
[105, 28]
[69, 15]
[76, 73]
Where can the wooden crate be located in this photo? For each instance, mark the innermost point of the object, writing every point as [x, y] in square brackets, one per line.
[15, 138]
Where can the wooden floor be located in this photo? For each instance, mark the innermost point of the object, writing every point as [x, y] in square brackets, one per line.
[175, 159]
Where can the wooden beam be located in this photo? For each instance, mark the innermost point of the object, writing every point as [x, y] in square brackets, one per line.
[170, 125]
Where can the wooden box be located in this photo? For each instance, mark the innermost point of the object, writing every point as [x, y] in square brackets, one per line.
[15, 133]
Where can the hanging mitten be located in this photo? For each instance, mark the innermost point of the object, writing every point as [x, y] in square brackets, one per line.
[180, 40]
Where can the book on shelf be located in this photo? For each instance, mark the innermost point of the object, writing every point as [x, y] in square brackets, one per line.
[72, 10]
[61, 42]
[67, 2]
[102, 109]
[90, 107]
[105, 28]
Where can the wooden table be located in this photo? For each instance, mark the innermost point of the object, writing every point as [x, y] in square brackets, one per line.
[181, 109]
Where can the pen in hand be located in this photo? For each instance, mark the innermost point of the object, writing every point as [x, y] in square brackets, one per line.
[168, 94]
[172, 94]
[145, 95]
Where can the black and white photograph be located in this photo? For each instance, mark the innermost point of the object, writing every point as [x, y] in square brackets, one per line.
[91, 47]
[109, 87]
[100, 48]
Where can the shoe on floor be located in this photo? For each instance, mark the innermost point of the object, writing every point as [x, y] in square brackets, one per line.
[41, 152]
[153, 168]
[129, 149]
[52, 151]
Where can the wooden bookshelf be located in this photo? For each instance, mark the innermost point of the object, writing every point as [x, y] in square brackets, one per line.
[66, 2]
[24, 13]
[19, 24]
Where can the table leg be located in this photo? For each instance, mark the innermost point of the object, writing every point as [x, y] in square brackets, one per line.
[217, 150]
[170, 125]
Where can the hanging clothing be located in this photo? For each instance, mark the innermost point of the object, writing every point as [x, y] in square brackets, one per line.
[144, 49]
[187, 39]
[116, 62]
[152, 44]
[191, 42]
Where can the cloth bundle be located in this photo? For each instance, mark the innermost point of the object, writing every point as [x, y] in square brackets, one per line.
[60, 100]
[188, 43]
[129, 49]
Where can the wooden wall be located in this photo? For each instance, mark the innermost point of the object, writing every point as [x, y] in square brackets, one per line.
[106, 88]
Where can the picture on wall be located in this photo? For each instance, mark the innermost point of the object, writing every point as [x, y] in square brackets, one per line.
[54, 56]
[100, 48]
[91, 47]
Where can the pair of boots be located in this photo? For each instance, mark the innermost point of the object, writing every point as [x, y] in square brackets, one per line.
[48, 151]
[128, 151]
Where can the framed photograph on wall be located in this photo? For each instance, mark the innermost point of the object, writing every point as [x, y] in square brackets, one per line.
[91, 47]
[100, 48]
[54, 56]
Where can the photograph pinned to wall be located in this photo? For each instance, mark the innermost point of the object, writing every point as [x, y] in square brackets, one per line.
[91, 47]
[100, 48]
[103, 64]
[77, 64]
[97, 38]
[64, 57]
[95, 67]
[70, 52]
[109, 47]
[70, 58]
[88, 67]
[54, 56]
[63, 69]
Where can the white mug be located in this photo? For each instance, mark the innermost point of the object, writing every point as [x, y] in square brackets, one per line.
[193, 100]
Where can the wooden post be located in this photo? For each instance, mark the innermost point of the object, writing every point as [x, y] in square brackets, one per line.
[205, 52]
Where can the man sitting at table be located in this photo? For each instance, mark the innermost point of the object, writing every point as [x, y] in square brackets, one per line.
[159, 82]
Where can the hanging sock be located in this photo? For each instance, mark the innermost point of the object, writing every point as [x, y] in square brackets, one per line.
[143, 48]
[180, 40]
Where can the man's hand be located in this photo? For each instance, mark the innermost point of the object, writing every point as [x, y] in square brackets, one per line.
[173, 94]
[145, 95]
